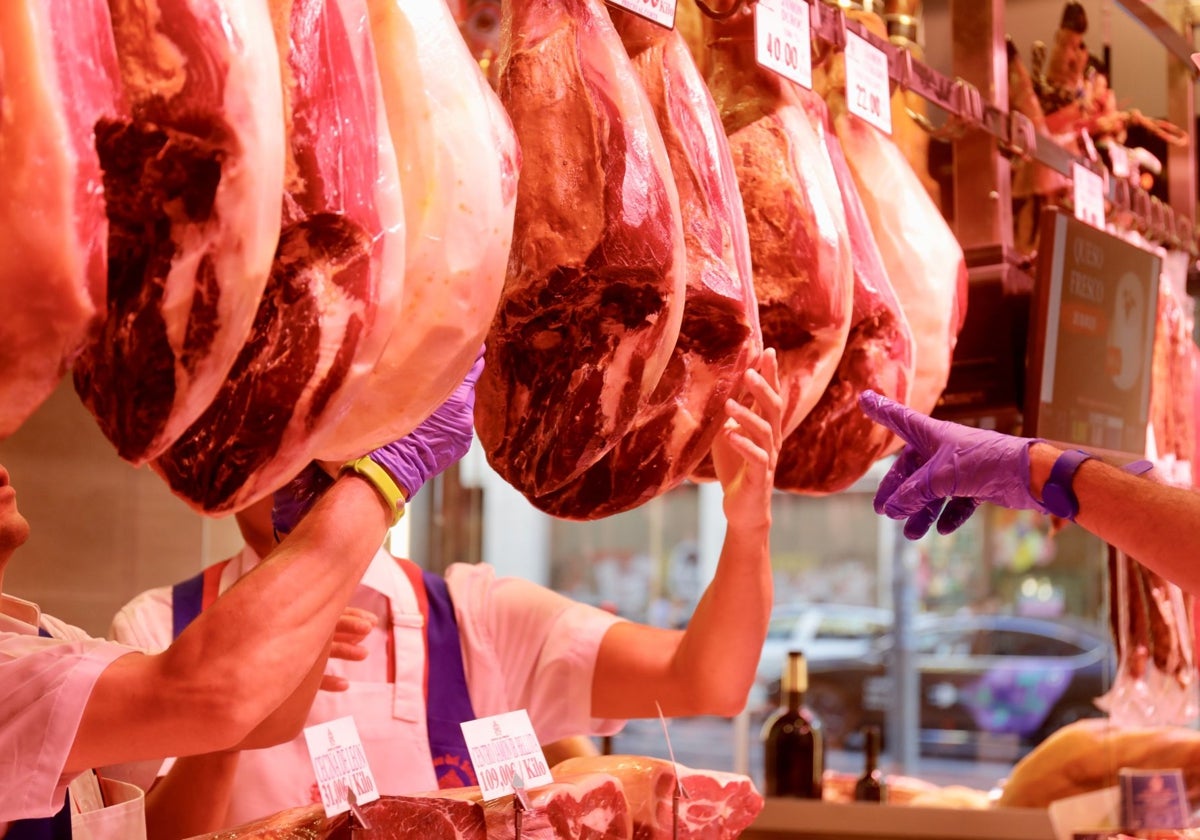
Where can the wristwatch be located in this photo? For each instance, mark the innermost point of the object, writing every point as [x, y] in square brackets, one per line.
[1058, 497]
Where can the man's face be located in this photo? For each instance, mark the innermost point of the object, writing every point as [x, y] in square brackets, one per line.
[14, 530]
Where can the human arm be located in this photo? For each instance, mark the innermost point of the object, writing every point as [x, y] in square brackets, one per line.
[709, 667]
[221, 678]
[1154, 522]
[946, 470]
[193, 797]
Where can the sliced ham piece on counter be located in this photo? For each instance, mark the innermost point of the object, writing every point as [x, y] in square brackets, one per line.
[714, 805]
[923, 259]
[590, 805]
[799, 244]
[389, 817]
[303, 821]
[459, 161]
[594, 294]
[192, 184]
[720, 333]
[58, 76]
[335, 286]
[409, 817]
[836, 443]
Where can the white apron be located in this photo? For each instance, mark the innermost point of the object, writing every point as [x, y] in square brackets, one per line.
[390, 718]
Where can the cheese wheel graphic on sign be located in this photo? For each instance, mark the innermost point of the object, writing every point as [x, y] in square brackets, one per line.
[1126, 332]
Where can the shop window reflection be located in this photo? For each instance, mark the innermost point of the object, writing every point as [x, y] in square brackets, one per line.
[833, 555]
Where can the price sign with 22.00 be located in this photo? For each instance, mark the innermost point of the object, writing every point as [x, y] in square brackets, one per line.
[781, 39]
[868, 94]
[661, 12]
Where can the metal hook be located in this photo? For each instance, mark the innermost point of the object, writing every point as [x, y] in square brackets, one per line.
[726, 15]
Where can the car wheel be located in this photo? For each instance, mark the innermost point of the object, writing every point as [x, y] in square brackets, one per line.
[839, 718]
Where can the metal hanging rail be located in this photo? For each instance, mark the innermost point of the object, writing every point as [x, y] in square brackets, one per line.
[1014, 132]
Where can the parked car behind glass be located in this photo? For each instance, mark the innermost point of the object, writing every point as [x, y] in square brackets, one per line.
[822, 632]
[1000, 676]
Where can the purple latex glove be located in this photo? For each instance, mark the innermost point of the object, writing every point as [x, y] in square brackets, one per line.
[947, 469]
[441, 439]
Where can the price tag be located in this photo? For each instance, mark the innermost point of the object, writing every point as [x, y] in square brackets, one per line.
[340, 765]
[1088, 194]
[661, 12]
[504, 746]
[781, 38]
[868, 94]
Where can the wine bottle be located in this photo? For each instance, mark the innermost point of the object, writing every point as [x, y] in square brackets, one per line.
[793, 747]
[870, 786]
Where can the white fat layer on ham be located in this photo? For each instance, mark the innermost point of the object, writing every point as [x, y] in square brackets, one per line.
[458, 161]
[160, 67]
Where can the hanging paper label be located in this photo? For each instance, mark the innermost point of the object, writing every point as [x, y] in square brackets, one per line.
[661, 12]
[504, 746]
[340, 765]
[1119, 156]
[781, 38]
[1088, 194]
[868, 92]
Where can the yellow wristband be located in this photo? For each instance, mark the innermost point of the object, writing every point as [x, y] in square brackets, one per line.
[383, 483]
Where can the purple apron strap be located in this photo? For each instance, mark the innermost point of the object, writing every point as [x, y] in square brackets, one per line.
[57, 827]
[447, 701]
[187, 598]
[192, 596]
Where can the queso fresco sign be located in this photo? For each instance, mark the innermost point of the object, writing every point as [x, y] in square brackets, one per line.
[504, 746]
[1098, 307]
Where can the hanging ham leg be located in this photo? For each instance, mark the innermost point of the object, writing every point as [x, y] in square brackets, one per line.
[58, 76]
[803, 273]
[192, 185]
[720, 334]
[593, 298]
[335, 286]
[836, 443]
[923, 259]
[459, 161]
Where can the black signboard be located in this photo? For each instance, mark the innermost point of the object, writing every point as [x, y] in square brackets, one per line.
[1091, 339]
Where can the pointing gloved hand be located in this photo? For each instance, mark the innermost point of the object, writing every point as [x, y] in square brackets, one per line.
[947, 469]
[438, 441]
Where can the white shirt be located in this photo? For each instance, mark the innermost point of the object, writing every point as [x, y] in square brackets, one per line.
[45, 684]
[524, 647]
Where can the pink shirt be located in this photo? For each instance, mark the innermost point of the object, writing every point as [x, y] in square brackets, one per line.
[44, 686]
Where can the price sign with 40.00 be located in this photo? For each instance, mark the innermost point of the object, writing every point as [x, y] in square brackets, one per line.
[781, 39]
[868, 91]
[661, 12]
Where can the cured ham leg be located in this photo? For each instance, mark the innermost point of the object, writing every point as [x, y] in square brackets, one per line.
[720, 334]
[923, 259]
[458, 160]
[799, 245]
[836, 443]
[192, 184]
[58, 76]
[336, 283]
[593, 297]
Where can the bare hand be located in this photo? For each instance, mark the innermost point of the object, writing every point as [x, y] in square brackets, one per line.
[352, 627]
[747, 448]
